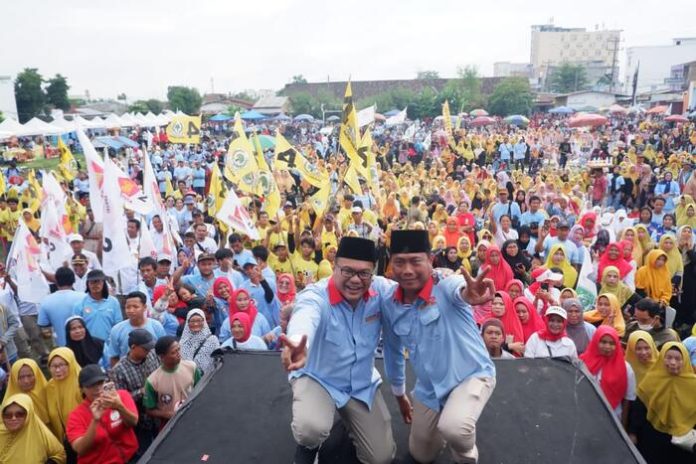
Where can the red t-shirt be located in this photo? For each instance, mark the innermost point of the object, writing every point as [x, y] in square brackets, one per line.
[114, 443]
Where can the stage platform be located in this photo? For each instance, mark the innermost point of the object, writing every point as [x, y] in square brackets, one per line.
[543, 411]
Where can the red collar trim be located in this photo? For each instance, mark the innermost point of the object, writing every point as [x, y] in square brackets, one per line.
[335, 296]
[424, 294]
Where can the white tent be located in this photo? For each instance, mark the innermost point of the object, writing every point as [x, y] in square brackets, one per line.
[36, 126]
[11, 127]
[112, 121]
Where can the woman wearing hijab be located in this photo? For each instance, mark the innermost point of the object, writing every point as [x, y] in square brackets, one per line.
[613, 256]
[641, 353]
[87, 350]
[577, 329]
[197, 342]
[611, 283]
[551, 341]
[242, 338]
[519, 263]
[24, 438]
[26, 377]
[666, 407]
[557, 259]
[62, 391]
[493, 334]
[607, 312]
[653, 279]
[286, 289]
[528, 316]
[605, 360]
[499, 270]
[503, 309]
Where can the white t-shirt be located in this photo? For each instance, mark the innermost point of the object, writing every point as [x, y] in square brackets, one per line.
[538, 348]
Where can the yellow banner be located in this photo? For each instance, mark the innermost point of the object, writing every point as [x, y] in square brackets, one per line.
[184, 129]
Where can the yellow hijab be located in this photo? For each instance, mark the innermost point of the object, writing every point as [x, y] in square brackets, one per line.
[640, 368]
[675, 264]
[570, 275]
[615, 319]
[64, 395]
[33, 443]
[620, 290]
[655, 281]
[37, 394]
[670, 399]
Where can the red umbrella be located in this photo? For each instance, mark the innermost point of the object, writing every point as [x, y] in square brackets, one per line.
[676, 118]
[482, 121]
[587, 119]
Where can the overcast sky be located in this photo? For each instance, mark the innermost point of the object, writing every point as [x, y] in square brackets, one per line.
[141, 46]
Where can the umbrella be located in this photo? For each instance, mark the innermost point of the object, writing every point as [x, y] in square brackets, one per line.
[587, 120]
[333, 118]
[267, 142]
[304, 117]
[517, 120]
[479, 112]
[252, 115]
[561, 110]
[659, 109]
[391, 113]
[482, 121]
[677, 118]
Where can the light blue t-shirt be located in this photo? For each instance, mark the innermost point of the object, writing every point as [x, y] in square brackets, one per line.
[55, 309]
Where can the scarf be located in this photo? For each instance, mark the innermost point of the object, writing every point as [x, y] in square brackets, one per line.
[88, 350]
[576, 332]
[614, 380]
[288, 296]
[37, 394]
[619, 263]
[198, 347]
[640, 368]
[500, 273]
[534, 322]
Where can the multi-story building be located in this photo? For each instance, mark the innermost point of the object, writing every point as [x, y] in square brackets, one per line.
[597, 51]
[654, 64]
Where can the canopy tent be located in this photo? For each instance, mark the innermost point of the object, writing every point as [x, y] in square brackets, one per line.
[304, 117]
[220, 117]
[252, 115]
[36, 126]
[561, 110]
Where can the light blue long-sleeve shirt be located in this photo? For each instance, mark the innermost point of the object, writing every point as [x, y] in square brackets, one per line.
[99, 315]
[341, 340]
[444, 344]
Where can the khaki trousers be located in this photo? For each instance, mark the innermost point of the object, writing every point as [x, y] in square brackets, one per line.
[455, 424]
[312, 418]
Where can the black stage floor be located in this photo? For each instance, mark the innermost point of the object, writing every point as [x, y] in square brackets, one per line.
[542, 411]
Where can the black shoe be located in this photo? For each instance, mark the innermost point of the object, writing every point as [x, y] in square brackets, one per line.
[304, 455]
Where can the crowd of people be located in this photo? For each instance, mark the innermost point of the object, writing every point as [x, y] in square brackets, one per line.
[584, 236]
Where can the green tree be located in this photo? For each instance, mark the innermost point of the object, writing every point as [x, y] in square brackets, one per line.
[299, 79]
[568, 78]
[511, 96]
[29, 94]
[427, 75]
[57, 92]
[186, 99]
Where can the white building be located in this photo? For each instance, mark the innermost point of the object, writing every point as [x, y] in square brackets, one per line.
[507, 69]
[552, 46]
[655, 62]
[8, 104]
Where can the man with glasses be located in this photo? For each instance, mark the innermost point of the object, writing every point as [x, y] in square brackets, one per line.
[329, 350]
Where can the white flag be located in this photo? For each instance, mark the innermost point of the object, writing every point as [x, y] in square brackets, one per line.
[23, 263]
[235, 215]
[398, 118]
[366, 116]
[95, 171]
[115, 251]
[586, 288]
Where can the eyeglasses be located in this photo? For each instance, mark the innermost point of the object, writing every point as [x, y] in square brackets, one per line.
[349, 273]
[14, 415]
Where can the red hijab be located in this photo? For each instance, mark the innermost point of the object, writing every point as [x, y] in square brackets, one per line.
[534, 323]
[290, 295]
[251, 310]
[243, 318]
[621, 264]
[218, 282]
[501, 273]
[510, 321]
[614, 382]
[546, 334]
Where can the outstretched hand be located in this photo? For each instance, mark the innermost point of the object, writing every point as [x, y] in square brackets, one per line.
[293, 356]
[479, 290]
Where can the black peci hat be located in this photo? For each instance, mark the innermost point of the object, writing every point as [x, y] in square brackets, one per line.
[360, 249]
[409, 241]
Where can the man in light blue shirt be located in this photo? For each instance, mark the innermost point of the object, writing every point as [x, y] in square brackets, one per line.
[57, 307]
[434, 321]
[329, 350]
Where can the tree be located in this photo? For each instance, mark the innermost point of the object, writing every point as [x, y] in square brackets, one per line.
[427, 75]
[29, 94]
[299, 79]
[511, 96]
[186, 99]
[568, 78]
[57, 92]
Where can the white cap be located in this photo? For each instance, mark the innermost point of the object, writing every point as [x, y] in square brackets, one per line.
[75, 238]
[557, 310]
[548, 275]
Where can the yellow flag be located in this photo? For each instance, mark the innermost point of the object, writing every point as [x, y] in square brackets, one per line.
[240, 161]
[349, 135]
[287, 157]
[351, 179]
[216, 191]
[266, 186]
[320, 200]
[67, 167]
[184, 129]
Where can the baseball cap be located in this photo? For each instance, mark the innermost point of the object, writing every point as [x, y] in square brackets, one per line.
[90, 375]
[141, 338]
[558, 311]
[75, 238]
[205, 257]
